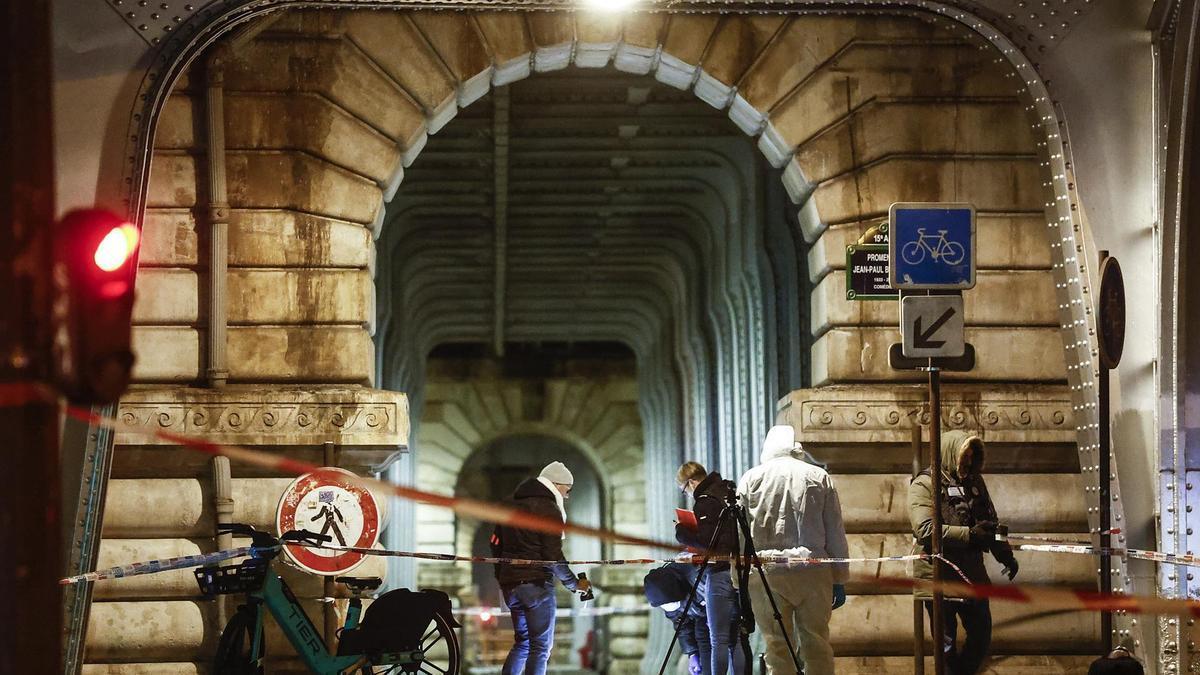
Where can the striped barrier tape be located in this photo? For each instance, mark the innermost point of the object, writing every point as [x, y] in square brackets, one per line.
[1051, 597]
[16, 394]
[766, 558]
[155, 566]
[1055, 540]
[487, 613]
[183, 562]
[1141, 554]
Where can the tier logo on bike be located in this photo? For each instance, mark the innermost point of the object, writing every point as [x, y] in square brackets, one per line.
[325, 503]
[932, 245]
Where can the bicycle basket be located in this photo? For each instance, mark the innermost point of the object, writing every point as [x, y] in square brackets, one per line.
[247, 576]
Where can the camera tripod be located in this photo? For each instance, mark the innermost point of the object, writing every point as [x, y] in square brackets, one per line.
[734, 515]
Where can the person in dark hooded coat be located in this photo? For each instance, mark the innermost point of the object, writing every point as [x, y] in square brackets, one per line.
[529, 590]
[969, 523]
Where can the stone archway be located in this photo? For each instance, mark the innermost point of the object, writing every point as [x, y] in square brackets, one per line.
[741, 63]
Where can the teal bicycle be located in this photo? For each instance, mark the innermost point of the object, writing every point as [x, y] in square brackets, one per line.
[401, 632]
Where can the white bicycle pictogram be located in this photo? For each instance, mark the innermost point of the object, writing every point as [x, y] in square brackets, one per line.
[941, 249]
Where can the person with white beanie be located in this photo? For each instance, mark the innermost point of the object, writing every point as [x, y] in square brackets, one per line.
[529, 591]
[793, 509]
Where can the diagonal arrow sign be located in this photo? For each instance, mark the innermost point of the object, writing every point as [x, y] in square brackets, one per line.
[921, 340]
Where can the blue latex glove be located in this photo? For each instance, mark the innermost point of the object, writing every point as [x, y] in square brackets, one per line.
[694, 664]
[839, 595]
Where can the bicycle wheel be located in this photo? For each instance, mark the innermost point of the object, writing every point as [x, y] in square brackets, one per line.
[234, 649]
[439, 653]
[913, 253]
[953, 253]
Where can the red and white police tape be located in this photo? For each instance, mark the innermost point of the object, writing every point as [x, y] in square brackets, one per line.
[1042, 596]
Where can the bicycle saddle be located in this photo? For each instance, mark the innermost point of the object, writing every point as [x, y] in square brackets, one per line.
[360, 583]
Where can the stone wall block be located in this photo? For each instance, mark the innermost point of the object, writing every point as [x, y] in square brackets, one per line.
[878, 503]
[177, 122]
[300, 296]
[312, 186]
[882, 625]
[506, 33]
[308, 122]
[687, 35]
[166, 354]
[324, 354]
[279, 238]
[1007, 665]
[450, 419]
[597, 36]
[881, 129]
[393, 42]
[457, 40]
[1004, 241]
[990, 184]
[550, 29]
[1000, 298]
[166, 630]
[864, 71]
[172, 180]
[166, 296]
[860, 354]
[146, 669]
[175, 584]
[334, 68]
[737, 45]
[168, 238]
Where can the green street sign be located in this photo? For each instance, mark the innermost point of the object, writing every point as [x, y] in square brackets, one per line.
[867, 273]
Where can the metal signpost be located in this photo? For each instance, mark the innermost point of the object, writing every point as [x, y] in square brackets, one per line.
[931, 251]
[1110, 314]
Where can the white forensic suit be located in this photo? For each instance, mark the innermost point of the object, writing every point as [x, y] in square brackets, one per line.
[793, 508]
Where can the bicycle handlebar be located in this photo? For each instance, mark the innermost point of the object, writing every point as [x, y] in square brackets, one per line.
[305, 536]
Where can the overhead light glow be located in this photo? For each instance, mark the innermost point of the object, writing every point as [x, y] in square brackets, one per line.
[116, 247]
[609, 5]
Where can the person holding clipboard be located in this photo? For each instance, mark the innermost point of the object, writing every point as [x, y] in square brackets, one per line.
[695, 529]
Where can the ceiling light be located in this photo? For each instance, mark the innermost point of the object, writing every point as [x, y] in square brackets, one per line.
[608, 5]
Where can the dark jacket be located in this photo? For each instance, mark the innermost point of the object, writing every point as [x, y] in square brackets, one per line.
[692, 627]
[512, 542]
[1123, 664]
[965, 502]
[710, 497]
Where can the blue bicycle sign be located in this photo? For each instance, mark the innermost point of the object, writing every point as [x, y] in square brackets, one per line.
[947, 252]
[932, 245]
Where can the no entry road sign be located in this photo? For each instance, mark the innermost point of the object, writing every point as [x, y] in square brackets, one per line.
[932, 246]
[931, 326]
[324, 502]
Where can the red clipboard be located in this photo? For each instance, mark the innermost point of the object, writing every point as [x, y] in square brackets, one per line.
[687, 519]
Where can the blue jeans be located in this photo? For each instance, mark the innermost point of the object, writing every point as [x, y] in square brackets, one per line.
[976, 619]
[533, 608]
[721, 605]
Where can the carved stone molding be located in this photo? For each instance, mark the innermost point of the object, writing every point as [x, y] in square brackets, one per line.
[886, 413]
[276, 416]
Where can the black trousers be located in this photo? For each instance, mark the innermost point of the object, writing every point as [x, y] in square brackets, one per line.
[976, 619]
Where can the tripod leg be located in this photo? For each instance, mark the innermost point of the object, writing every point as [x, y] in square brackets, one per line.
[752, 554]
[692, 595]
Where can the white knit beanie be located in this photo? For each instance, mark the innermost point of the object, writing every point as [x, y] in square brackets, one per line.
[557, 472]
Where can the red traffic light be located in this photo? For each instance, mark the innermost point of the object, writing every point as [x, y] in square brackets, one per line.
[94, 270]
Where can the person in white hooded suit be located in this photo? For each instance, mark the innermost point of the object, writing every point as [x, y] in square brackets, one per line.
[793, 509]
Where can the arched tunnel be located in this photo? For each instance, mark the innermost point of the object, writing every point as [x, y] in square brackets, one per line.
[450, 247]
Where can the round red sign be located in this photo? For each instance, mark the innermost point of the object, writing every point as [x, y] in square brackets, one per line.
[327, 503]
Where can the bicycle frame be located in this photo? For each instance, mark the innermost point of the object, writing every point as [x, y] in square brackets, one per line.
[298, 628]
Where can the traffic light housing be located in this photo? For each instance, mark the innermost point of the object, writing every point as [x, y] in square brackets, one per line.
[95, 264]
